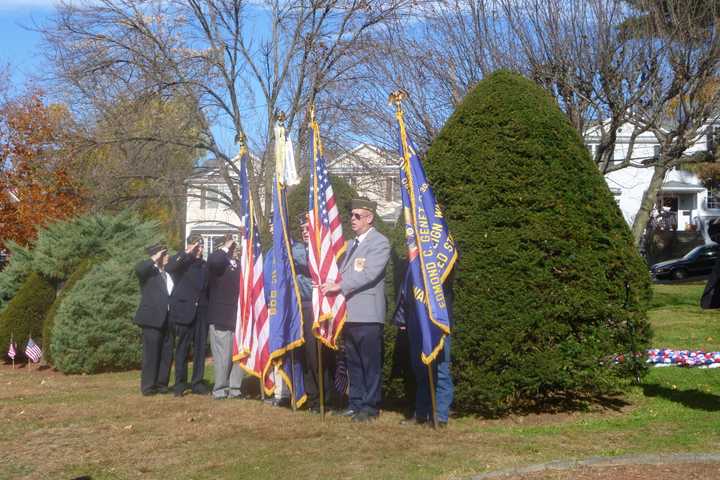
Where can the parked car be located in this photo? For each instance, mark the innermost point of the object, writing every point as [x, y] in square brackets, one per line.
[697, 262]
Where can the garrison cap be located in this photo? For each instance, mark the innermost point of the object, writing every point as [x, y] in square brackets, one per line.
[154, 248]
[363, 203]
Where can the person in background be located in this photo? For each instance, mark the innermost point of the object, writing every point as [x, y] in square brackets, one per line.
[223, 291]
[156, 288]
[188, 312]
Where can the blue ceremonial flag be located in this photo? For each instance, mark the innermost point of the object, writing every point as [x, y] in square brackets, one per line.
[285, 309]
[431, 253]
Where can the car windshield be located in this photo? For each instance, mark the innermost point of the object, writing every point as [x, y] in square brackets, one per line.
[695, 252]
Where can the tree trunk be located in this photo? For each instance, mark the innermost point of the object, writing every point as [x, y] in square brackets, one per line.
[648, 201]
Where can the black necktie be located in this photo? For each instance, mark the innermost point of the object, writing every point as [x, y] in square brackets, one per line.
[352, 250]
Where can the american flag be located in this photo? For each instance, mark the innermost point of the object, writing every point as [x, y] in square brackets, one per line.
[252, 328]
[325, 247]
[32, 351]
[12, 352]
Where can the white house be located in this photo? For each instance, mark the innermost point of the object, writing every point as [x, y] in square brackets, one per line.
[374, 173]
[204, 214]
[685, 204]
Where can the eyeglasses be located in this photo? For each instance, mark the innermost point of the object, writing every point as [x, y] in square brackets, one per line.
[357, 216]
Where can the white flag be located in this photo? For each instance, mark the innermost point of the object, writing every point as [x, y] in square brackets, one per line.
[284, 158]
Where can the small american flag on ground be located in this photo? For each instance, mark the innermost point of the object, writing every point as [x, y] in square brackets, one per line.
[12, 351]
[32, 351]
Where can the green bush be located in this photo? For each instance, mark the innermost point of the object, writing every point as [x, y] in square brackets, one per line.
[545, 255]
[93, 329]
[62, 245]
[24, 314]
[49, 322]
[15, 273]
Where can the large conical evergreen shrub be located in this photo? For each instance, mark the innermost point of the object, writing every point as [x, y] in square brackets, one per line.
[545, 255]
[93, 330]
[49, 322]
[15, 273]
[24, 314]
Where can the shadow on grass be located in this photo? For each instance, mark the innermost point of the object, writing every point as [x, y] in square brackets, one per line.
[694, 399]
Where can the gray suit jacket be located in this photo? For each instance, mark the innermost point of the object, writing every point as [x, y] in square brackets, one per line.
[363, 279]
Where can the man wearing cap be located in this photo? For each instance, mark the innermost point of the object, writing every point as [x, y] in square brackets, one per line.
[363, 284]
[188, 312]
[223, 291]
[156, 288]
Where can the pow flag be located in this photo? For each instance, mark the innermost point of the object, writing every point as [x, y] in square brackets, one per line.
[252, 329]
[325, 247]
[431, 252]
[285, 309]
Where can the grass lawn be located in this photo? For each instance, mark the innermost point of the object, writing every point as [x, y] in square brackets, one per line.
[56, 426]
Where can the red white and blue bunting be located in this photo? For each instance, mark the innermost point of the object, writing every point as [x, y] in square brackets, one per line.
[665, 357]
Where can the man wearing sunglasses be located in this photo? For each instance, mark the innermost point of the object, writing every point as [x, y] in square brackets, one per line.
[363, 284]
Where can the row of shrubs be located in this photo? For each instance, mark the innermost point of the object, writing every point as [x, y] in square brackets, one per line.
[74, 292]
[548, 288]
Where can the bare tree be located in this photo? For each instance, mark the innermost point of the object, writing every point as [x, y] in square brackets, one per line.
[241, 62]
[641, 66]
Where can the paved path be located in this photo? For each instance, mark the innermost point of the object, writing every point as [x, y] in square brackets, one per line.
[599, 464]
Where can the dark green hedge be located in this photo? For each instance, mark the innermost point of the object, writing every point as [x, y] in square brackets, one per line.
[49, 322]
[24, 314]
[545, 255]
[15, 273]
[93, 329]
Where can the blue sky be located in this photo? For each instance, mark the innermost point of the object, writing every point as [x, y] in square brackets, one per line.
[19, 46]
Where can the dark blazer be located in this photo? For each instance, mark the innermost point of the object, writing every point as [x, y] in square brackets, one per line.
[191, 277]
[223, 291]
[154, 301]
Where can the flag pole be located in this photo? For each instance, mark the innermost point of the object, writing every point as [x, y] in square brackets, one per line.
[292, 375]
[318, 345]
[320, 380]
[433, 400]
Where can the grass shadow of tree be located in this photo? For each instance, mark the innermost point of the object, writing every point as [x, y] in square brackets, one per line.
[694, 398]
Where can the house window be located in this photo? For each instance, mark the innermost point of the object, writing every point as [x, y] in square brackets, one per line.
[211, 197]
[712, 138]
[656, 152]
[592, 149]
[713, 196]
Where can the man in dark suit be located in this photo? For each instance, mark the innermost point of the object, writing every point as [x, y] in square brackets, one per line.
[363, 284]
[188, 312]
[156, 288]
[223, 291]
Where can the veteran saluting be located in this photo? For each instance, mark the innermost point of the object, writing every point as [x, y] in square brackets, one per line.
[363, 284]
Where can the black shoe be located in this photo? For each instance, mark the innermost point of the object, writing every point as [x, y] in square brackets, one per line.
[179, 389]
[162, 389]
[415, 421]
[200, 389]
[149, 392]
[344, 413]
[363, 417]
